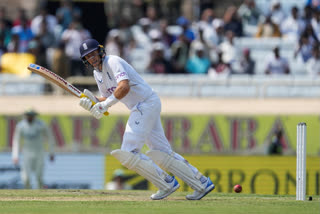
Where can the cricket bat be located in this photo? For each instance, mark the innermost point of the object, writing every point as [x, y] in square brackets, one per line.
[56, 79]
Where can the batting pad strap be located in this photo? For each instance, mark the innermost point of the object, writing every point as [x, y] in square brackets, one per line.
[143, 167]
[177, 167]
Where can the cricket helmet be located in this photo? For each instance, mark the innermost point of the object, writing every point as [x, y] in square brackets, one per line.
[88, 46]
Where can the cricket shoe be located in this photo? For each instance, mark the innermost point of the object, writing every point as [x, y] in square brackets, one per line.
[161, 194]
[197, 195]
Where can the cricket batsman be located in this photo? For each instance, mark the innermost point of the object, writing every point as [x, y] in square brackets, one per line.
[118, 81]
[32, 132]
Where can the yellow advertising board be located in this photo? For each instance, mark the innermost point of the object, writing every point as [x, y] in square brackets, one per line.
[256, 174]
[187, 134]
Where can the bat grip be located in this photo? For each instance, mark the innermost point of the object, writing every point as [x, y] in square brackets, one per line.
[93, 103]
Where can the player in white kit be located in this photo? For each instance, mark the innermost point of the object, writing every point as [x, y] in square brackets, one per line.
[32, 132]
[118, 81]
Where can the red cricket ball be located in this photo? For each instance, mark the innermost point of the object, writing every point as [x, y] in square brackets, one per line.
[237, 188]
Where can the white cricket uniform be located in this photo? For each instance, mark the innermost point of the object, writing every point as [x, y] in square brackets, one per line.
[144, 123]
[144, 126]
[33, 137]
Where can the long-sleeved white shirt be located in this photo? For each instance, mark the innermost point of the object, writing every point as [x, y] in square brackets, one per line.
[33, 136]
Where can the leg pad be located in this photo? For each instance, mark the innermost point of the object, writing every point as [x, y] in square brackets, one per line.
[143, 167]
[177, 167]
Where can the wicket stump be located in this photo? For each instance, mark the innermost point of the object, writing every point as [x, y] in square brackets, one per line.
[301, 162]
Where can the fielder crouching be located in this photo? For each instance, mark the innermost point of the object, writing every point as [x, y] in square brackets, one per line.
[118, 81]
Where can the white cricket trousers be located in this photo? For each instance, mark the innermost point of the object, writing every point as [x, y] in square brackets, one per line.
[144, 126]
[33, 162]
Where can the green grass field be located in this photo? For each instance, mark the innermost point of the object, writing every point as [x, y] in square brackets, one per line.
[91, 201]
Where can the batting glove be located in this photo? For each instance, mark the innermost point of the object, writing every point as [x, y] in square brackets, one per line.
[98, 109]
[85, 103]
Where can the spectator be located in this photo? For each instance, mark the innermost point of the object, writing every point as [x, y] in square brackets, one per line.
[200, 41]
[275, 147]
[187, 31]
[25, 35]
[276, 13]
[118, 181]
[5, 33]
[293, 26]
[159, 64]
[220, 68]
[228, 48]
[33, 133]
[208, 32]
[141, 34]
[138, 51]
[113, 44]
[58, 30]
[44, 16]
[180, 54]
[73, 37]
[218, 25]
[304, 48]
[277, 64]
[246, 64]
[67, 13]
[156, 37]
[307, 40]
[166, 37]
[137, 56]
[268, 29]
[152, 15]
[22, 16]
[125, 32]
[313, 64]
[198, 63]
[60, 65]
[232, 22]
[249, 13]
[47, 38]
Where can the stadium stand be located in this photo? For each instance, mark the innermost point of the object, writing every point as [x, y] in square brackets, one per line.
[297, 84]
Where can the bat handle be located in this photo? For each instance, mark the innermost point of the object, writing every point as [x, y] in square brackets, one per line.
[93, 103]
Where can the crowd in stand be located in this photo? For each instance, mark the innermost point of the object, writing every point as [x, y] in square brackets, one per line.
[153, 45]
